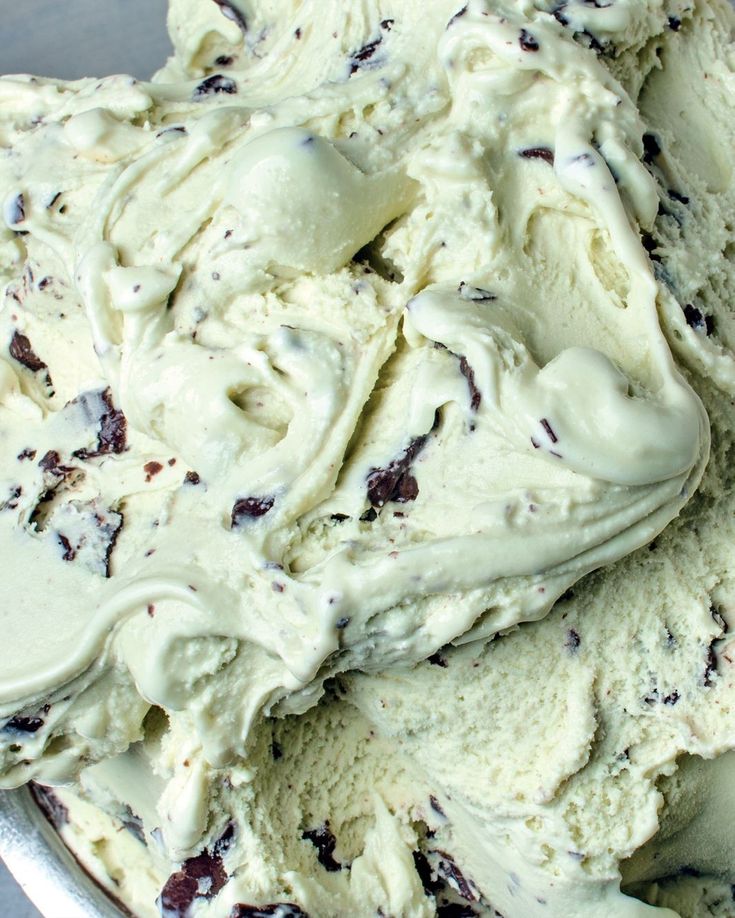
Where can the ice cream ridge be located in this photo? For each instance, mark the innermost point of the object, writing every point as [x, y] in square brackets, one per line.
[367, 501]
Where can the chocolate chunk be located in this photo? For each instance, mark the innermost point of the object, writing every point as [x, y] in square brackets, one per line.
[698, 320]
[24, 724]
[50, 805]
[650, 245]
[710, 668]
[436, 806]
[192, 478]
[325, 843]
[250, 508]
[339, 517]
[70, 552]
[651, 147]
[369, 516]
[151, 469]
[458, 15]
[454, 876]
[395, 482]
[527, 41]
[21, 350]
[456, 910]
[475, 294]
[99, 409]
[360, 57]
[16, 211]
[200, 877]
[13, 498]
[276, 910]
[134, 824]
[230, 11]
[224, 842]
[214, 85]
[544, 153]
[431, 883]
[572, 641]
[469, 374]
[549, 430]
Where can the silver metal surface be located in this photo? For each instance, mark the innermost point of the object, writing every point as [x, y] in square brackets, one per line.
[44, 868]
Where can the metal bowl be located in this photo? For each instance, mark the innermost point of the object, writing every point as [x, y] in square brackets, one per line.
[45, 869]
[69, 40]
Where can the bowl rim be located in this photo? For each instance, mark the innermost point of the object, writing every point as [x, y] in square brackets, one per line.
[43, 866]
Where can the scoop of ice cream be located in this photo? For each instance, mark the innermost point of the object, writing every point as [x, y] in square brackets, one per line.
[318, 361]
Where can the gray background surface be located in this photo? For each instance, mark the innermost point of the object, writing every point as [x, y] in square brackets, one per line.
[71, 39]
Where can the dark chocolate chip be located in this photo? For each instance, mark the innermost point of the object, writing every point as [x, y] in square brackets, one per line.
[342, 623]
[200, 877]
[276, 751]
[469, 374]
[224, 60]
[549, 430]
[214, 85]
[674, 23]
[192, 478]
[436, 659]
[250, 508]
[395, 482]
[134, 824]
[26, 453]
[230, 11]
[436, 806]
[456, 910]
[339, 517]
[276, 910]
[544, 153]
[671, 698]
[475, 294]
[325, 843]
[16, 211]
[698, 320]
[70, 552]
[527, 41]
[710, 668]
[152, 469]
[572, 641]
[98, 408]
[360, 57]
[13, 498]
[369, 516]
[455, 878]
[21, 350]
[431, 883]
[458, 15]
[650, 245]
[651, 147]
[50, 805]
[24, 724]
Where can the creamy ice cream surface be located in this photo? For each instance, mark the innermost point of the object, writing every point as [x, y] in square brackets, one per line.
[366, 416]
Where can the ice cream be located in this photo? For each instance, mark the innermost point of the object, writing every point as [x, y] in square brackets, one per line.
[336, 357]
